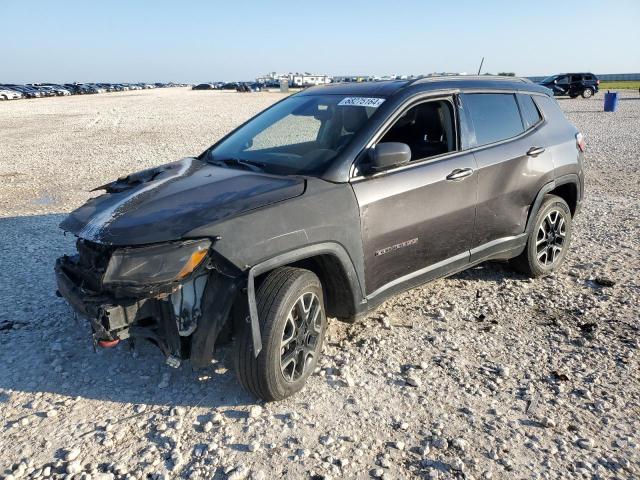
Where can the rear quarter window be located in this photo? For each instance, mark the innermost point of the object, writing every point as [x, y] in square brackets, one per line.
[495, 116]
[530, 113]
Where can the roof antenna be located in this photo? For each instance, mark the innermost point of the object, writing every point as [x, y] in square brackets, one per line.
[479, 69]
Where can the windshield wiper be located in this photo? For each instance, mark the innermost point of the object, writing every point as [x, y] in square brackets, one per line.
[236, 162]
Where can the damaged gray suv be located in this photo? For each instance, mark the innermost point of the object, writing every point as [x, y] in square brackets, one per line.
[324, 205]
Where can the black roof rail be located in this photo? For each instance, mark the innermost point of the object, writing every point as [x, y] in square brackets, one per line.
[489, 78]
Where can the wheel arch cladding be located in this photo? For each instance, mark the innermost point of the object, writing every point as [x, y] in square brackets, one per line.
[339, 295]
[568, 185]
[326, 258]
[569, 193]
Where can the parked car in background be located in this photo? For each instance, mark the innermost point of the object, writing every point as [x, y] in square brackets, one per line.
[60, 89]
[229, 86]
[7, 94]
[26, 91]
[324, 205]
[96, 88]
[572, 84]
[55, 89]
[46, 91]
[74, 88]
[203, 86]
[37, 90]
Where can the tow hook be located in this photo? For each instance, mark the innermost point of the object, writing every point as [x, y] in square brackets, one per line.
[108, 343]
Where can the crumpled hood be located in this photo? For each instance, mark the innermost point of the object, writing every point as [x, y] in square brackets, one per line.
[163, 203]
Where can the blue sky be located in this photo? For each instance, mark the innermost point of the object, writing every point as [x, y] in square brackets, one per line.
[236, 40]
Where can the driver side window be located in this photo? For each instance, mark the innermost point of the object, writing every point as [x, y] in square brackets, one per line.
[427, 128]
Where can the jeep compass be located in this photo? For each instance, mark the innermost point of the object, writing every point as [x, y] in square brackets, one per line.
[324, 205]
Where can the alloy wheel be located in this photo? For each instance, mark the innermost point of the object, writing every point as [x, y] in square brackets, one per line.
[550, 238]
[300, 336]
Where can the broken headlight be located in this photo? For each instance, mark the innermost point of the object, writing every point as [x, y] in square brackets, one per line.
[156, 263]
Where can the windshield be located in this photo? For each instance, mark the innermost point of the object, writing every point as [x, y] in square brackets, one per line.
[549, 79]
[300, 135]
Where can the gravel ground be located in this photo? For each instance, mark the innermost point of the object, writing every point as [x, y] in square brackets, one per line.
[482, 375]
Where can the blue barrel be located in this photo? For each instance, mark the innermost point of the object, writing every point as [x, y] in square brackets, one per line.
[610, 101]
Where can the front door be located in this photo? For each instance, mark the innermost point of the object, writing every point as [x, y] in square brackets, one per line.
[417, 220]
[562, 85]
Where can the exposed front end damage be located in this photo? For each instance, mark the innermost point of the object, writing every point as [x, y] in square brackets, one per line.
[139, 273]
[182, 316]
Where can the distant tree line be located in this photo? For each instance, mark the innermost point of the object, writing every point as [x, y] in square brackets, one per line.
[502, 74]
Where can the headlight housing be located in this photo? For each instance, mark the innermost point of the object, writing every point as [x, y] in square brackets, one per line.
[156, 264]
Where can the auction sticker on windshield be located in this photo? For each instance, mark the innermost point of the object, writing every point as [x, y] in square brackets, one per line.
[361, 102]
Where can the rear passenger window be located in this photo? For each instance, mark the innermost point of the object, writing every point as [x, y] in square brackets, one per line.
[530, 113]
[495, 116]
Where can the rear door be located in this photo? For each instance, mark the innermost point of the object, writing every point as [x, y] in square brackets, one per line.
[513, 164]
[417, 220]
[576, 85]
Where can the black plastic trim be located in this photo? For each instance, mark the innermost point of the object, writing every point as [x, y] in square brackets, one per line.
[552, 185]
[293, 256]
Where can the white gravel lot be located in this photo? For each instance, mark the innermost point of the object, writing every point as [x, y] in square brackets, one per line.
[482, 375]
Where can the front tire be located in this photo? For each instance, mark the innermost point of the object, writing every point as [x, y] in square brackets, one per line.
[292, 320]
[587, 93]
[549, 239]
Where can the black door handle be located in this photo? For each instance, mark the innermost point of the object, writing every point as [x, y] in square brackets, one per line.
[459, 173]
[535, 151]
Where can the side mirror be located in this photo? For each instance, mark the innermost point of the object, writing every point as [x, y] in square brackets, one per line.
[388, 155]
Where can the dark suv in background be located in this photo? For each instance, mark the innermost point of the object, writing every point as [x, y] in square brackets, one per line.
[324, 205]
[572, 84]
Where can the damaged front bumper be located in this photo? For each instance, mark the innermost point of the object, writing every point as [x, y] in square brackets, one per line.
[109, 320]
[182, 318]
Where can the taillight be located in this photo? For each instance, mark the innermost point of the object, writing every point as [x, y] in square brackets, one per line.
[580, 142]
[597, 82]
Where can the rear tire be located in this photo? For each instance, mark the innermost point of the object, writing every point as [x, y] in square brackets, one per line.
[549, 239]
[292, 321]
[587, 93]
